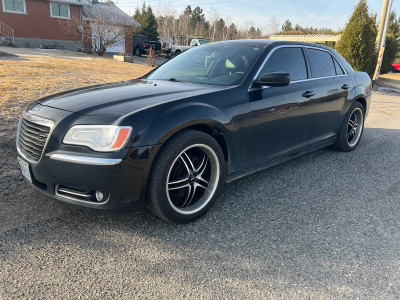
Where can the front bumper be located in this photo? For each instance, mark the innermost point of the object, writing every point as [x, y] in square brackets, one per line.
[122, 181]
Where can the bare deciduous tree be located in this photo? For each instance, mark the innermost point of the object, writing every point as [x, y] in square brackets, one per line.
[273, 25]
[103, 26]
[109, 27]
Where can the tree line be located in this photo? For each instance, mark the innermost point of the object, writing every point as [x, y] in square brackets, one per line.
[357, 43]
[193, 22]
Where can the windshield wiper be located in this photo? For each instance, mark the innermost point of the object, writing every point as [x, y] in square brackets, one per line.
[175, 80]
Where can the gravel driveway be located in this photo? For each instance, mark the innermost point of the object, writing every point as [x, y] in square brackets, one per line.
[326, 225]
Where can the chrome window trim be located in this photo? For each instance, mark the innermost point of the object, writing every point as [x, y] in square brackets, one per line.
[37, 120]
[321, 49]
[269, 55]
[87, 160]
[297, 81]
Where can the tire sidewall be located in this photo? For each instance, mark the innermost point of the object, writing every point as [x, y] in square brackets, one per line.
[343, 134]
[160, 172]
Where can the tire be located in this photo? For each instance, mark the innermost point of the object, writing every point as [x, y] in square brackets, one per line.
[177, 52]
[351, 131]
[138, 52]
[394, 69]
[186, 177]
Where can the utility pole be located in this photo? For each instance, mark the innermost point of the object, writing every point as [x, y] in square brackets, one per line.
[381, 24]
[381, 38]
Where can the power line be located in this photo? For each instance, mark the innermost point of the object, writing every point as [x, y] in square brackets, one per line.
[320, 12]
[341, 12]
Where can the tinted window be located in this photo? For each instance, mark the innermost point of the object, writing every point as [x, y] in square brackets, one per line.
[321, 63]
[290, 60]
[339, 70]
[210, 64]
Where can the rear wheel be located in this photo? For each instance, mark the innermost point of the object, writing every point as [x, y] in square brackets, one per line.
[187, 177]
[394, 69]
[352, 128]
[177, 52]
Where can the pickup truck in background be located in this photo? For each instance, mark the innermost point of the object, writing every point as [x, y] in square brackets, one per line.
[177, 49]
[141, 45]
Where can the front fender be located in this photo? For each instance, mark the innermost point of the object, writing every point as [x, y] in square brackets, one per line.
[172, 120]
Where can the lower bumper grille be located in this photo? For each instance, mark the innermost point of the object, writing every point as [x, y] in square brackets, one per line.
[77, 194]
[33, 133]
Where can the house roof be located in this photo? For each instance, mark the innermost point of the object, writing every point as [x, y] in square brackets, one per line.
[74, 2]
[110, 11]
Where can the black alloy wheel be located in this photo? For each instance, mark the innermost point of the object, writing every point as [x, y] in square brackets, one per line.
[187, 177]
[351, 131]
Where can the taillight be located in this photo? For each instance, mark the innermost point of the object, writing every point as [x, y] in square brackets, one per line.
[144, 44]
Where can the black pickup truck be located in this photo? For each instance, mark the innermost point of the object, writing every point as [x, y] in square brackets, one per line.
[141, 45]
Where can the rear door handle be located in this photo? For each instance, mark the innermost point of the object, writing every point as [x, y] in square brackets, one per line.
[308, 94]
[345, 86]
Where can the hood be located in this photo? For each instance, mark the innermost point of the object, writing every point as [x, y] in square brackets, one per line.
[124, 97]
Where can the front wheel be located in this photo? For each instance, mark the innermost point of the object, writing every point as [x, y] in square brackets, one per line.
[352, 128]
[138, 52]
[187, 177]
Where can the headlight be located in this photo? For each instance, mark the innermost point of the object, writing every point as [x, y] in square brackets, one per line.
[104, 138]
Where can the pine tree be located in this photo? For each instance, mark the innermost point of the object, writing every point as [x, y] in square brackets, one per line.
[148, 22]
[357, 43]
[287, 26]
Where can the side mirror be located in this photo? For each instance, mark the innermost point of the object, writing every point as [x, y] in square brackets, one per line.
[274, 79]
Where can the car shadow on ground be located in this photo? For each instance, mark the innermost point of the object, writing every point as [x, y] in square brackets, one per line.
[326, 222]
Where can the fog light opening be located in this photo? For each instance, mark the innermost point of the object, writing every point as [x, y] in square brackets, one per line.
[99, 196]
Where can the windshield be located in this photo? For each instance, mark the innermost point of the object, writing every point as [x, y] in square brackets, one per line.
[210, 64]
[203, 42]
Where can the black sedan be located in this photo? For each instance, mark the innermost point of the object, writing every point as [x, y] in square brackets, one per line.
[171, 139]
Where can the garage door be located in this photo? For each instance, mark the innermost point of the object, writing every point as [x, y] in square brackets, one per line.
[117, 47]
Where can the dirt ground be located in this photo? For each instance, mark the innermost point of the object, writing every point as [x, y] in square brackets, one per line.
[391, 76]
[28, 74]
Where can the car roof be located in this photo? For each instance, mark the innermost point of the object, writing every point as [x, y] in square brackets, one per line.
[266, 42]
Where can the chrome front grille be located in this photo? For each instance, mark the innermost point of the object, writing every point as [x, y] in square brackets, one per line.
[33, 133]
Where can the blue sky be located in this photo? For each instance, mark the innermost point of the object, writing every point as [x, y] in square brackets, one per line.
[323, 13]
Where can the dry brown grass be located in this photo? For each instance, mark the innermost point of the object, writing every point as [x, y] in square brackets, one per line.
[22, 81]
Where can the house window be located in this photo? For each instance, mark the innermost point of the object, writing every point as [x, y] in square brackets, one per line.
[58, 10]
[15, 6]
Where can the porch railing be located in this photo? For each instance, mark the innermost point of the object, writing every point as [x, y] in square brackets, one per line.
[7, 31]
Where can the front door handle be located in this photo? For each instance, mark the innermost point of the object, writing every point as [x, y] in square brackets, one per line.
[308, 94]
[345, 86]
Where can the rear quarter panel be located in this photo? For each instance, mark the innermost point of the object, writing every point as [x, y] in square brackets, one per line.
[363, 88]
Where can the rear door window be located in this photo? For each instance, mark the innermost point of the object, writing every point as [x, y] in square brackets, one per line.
[288, 59]
[321, 63]
[339, 70]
